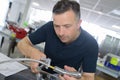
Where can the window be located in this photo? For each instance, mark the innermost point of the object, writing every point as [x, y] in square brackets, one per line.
[37, 15]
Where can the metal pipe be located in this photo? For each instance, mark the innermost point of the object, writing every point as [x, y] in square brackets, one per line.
[56, 69]
[70, 73]
[25, 59]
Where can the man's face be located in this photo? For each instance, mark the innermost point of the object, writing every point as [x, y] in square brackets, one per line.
[66, 26]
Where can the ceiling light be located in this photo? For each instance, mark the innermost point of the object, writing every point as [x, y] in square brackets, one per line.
[35, 4]
[117, 27]
[117, 12]
[78, 1]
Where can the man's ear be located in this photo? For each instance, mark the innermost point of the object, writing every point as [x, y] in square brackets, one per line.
[79, 23]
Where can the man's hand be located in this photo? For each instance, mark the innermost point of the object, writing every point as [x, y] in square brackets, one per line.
[34, 65]
[66, 77]
[26, 48]
[85, 75]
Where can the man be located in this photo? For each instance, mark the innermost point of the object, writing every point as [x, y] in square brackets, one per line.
[66, 43]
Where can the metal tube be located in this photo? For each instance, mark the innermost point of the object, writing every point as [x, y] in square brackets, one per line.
[56, 69]
[25, 59]
[70, 73]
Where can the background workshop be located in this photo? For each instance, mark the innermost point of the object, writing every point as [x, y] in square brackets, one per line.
[100, 18]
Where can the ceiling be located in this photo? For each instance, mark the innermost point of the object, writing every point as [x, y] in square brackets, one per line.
[105, 13]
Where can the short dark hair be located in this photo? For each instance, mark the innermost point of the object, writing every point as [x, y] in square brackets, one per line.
[65, 5]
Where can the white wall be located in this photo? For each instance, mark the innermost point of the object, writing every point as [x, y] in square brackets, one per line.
[4, 4]
[16, 9]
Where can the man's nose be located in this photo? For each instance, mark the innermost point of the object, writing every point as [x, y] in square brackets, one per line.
[61, 31]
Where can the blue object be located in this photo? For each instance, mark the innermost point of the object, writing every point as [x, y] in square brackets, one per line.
[107, 64]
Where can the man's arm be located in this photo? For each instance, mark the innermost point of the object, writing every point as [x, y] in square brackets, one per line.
[26, 48]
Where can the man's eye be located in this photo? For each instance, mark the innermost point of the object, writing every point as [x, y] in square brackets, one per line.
[67, 26]
[56, 26]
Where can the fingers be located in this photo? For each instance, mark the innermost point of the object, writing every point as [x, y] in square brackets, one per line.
[34, 70]
[66, 77]
[34, 67]
[37, 56]
[61, 77]
[69, 68]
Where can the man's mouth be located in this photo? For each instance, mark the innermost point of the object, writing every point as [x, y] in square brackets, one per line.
[61, 37]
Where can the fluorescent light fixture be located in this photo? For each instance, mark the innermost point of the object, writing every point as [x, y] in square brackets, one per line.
[78, 1]
[117, 12]
[117, 27]
[35, 4]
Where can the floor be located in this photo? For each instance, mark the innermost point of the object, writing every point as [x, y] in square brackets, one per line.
[4, 49]
[102, 76]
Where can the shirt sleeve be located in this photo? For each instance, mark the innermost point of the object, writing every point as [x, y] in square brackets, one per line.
[39, 35]
[90, 59]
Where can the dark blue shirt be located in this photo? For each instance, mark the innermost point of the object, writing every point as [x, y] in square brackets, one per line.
[83, 51]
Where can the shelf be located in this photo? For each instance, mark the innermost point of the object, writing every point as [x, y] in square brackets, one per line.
[108, 71]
